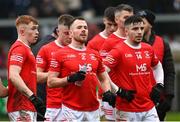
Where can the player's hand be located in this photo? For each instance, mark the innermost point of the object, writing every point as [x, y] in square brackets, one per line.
[126, 94]
[39, 106]
[156, 92]
[78, 76]
[109, 97]
[165, 104]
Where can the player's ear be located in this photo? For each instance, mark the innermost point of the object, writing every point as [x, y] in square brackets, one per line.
[70, 33]
[21, 30]
[116, 19]
[126, 31]
[104, 20]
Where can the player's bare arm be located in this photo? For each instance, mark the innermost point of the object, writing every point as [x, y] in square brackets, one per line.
[41, 75]
[104, 79]
[14, 76]
[53, 81]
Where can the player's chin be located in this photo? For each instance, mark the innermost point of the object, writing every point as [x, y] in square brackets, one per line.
[139, 39]
[35, 41]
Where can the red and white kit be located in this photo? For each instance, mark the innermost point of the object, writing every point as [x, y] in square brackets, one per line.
[70, 60]
[43, 61]
[135, 75]
[21, 55]
[53, 97]
[107, 46]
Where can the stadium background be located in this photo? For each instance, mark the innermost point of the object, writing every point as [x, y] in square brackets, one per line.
[167, 25]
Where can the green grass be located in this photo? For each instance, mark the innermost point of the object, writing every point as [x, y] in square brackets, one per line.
[173, 116]
[4, 118]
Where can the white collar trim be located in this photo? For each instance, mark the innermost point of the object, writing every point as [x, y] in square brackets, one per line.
[134, 47]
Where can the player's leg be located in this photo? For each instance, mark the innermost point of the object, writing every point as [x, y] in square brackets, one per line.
[109, 111]
[53, 114]
[101, 108]
[68, 114]
[151, 115]
[23, 116]
[93, 116]
[126, 116]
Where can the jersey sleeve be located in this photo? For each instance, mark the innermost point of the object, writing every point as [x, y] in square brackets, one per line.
[90, 44]
[41, 59]
[106, 47]
[112, 58]
[101, 67]
[18, 56]
[55, 62]
[155, 59]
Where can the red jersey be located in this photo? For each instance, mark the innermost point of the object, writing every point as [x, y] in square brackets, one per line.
[22, 56]
[43, 59]
[108, 45]
[70, 60]
[158, 47]
[133, 70]
[97, 42]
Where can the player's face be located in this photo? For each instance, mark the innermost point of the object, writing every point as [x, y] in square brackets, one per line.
[63, 35]
[147, 26]
[120, 17]
[135, 32]
[79, 30]
[31, 32]
[110, 26]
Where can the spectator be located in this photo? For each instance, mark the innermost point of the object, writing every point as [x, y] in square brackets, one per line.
[163, 52]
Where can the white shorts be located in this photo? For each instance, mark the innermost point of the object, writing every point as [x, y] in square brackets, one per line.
[147, 116]
[68, 114]
[26, 116]
[101, 107]
[52, 114]
[109, 111]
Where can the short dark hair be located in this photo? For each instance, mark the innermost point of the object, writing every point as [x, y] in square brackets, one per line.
[65, 19]
[76, 18]
[125, 7]
[109, 13]
[132, 20]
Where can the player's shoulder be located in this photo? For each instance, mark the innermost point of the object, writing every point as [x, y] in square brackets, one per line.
[62, 50]
[97, 36]
[48, 45]
[96, 39]
[92, 50]
[146, 45]
[18, 45]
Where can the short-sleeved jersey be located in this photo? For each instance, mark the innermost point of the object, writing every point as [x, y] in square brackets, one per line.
[21, 55]
[110, 43]
[107, 46]
[43, 59]
[70, 60]
[96, 42]
[133, 68]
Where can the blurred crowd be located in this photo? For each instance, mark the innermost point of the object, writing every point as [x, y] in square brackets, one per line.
[85, 8]
[50, 8]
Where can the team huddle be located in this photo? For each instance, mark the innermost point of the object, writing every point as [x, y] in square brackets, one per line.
[124, 73]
